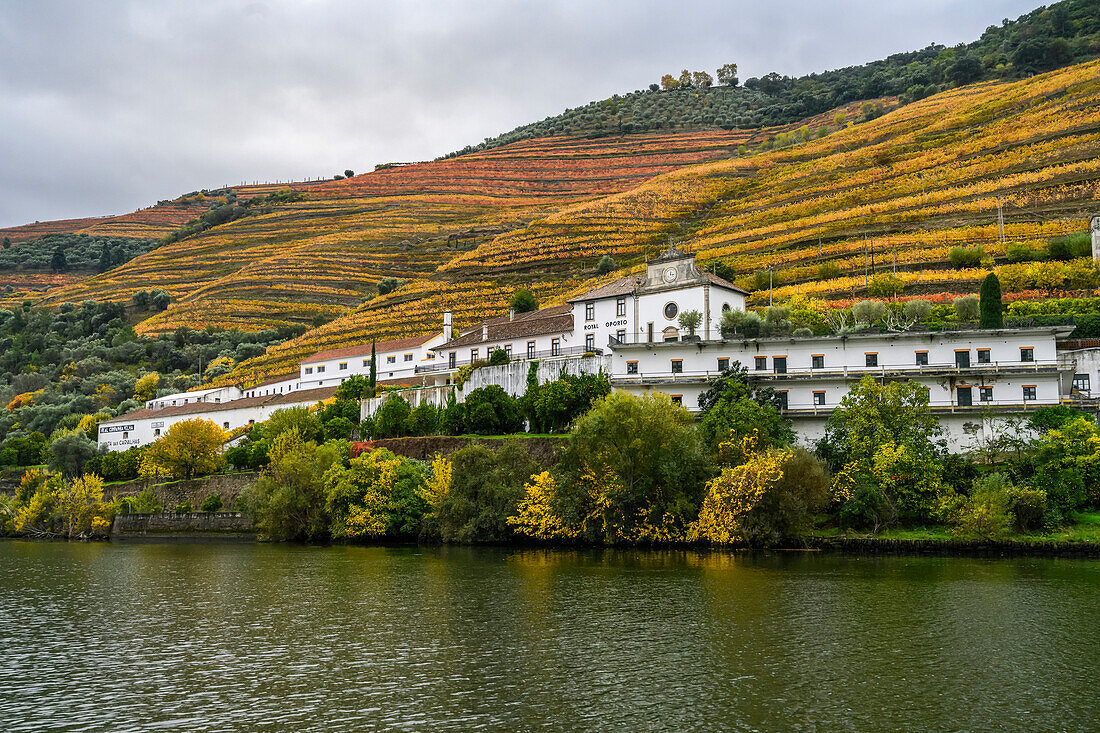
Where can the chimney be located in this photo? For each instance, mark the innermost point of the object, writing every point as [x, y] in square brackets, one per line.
[1096, 238]
[485, 332]
[447, 332]
[511, 314]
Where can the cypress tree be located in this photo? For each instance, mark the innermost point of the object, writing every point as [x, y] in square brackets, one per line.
[373, 369]
[990, 306]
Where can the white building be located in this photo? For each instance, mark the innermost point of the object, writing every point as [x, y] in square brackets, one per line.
[647, 308]
[213, 395]
[397, 361]
[540, 334]
[972, 377]
[143, 426]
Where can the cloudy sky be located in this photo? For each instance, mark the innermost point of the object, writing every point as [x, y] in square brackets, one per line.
[111, 105]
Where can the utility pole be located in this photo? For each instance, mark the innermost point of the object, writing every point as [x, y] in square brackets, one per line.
[1000, 219]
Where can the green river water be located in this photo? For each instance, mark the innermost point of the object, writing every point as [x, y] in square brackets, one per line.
[264, 637]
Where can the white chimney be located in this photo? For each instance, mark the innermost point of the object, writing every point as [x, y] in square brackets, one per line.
[1096, 238]
[448, 334]
[511, 314]
[485, 332]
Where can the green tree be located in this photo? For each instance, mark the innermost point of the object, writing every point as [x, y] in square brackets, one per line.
[349, 173]
[1067, 465]
[733, 408]
[354, 387]
[967, 308]
[378, 494]
[632, 464]
[727, 74]
[70, 452]
[499, 357]
[391, 419]
[288, 500]
[492, 411]
[691, 320]
[606, 265]
[990, 305]
[552, 407]
[387, 285]
[372, 382]
[58, 263]
[523, 301]
[485, 488]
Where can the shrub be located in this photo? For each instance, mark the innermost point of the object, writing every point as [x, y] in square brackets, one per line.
[499, 357]
[211, 503]
[967, 308]
[828, 271]
[391, 419]
[184, 507]
[492, 411]
[962, 257]
[606, 265]
[867, 312]
[885, 285]
[387, 285]
[918, 311]
[1029, 508]
[986, 514]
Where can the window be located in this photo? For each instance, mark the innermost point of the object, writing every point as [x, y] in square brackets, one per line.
[782, 399]
[452, 360]
[632, 367]
[225, 425]
[620, 307]
[589, 311]
[725, 307]
[819, 399]
[508, 351]
[156, 432]
[871, 359]
[391, 359]
[677, 366]
[671, 309]
[1029, 392]
[1027, 354]
[251, 422]
[366, 362]
[125, 434]
[964, 396]
[761, 363]
[473, 354]
[985, 394]
[677, 399]
[817, 361]
[343, 366]
[649, 332]
[408, 357]
[320, 370]
[962, 359]
[530, 349]
[589, 341]
[555, 347]
[1082, 382]
[620, 335]
[922, 358]
[723, 364]
[983, 356]
[779, 364]
[309, 370]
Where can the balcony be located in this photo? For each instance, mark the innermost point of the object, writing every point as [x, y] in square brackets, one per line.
[948, 369]
[570, 352]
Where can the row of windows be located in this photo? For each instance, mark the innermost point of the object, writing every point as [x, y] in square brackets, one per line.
[342, 366]
[817, 361]
[555, 349]
[590, 309]
[964, 395]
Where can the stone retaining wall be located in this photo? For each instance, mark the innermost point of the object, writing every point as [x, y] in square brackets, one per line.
[193, 524]
[171, 493]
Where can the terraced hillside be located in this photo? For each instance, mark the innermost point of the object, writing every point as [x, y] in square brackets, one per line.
[319, 257]
[900, 190]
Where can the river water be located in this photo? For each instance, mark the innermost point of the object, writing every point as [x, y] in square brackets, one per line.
[266, 637]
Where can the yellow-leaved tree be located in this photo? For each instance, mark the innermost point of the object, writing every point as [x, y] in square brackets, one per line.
[190, 448]
[536, 515]
[145, 388]
[79, 500]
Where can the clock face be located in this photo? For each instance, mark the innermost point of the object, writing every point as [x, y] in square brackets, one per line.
[670, 274]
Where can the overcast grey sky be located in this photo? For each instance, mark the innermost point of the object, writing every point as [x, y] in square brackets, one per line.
[108, 106]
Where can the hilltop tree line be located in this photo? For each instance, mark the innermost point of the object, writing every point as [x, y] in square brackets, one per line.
[65, 252]
[1044, 39]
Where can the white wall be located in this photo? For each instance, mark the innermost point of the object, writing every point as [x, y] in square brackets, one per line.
[328, 372]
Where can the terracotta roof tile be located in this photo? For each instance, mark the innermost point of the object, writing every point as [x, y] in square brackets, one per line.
[364, 349]
[305, 395]
[622, 286]
[723, 283]
[556, 319]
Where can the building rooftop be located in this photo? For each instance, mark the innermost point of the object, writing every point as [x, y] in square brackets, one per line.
[613, 289]
[556, 319]
[365, 349]
[305, 395]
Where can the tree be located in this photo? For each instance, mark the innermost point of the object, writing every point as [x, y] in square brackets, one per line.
[372, 381]
[377, 494]
[523, 301]
[499, 357]
[668, 82]
[390, 420]
[349, 173]
[353, 388]
[990, 303]
[727, 75]
[70, 452]
[866, 312]
[685, 78]
[633, 470]
[485, 489]
[105, 258]
[966, 308]
[78, 500]
[190, 448]
[606, 265]
[160, 299]
[7, 242]
[58, 263]
[691, 320]
[701, 79]
[387, 285]
[492, 411]
[966, 69]
[288, 500]
[140, 299]
[145, 388]
[733, 409]
[552, 407]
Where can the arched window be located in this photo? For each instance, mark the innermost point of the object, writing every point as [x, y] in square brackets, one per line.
[725, 307]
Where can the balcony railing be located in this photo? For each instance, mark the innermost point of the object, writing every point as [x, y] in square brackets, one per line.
[444, 365]
[851, 372]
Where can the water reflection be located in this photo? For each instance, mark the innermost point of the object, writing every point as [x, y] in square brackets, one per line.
[214, 637]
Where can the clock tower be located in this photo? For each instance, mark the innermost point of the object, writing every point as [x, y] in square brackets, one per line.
[674, 268]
